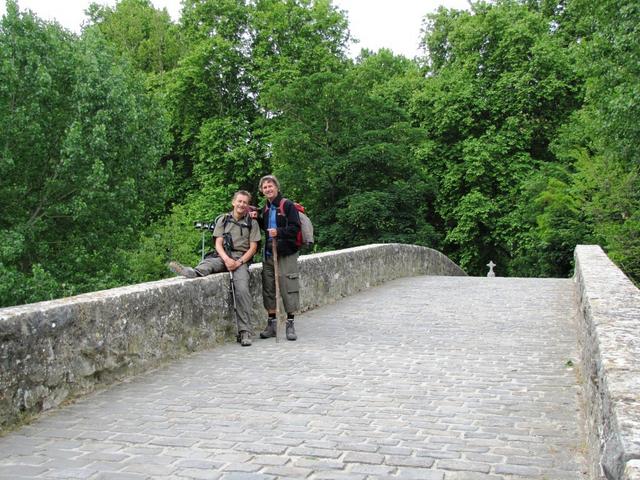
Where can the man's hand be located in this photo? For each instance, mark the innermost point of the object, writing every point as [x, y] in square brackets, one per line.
[273, 232]
[232, 264]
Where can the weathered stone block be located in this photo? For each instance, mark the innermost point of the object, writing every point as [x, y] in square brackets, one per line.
[610, 347]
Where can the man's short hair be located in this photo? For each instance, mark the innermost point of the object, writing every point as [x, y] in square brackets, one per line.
[269, 178]
[242, 192]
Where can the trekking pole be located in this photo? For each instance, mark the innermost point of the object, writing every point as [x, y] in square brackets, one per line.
[274, 250]
[235, 306]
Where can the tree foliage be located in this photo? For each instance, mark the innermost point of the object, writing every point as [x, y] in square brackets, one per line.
[513, 139]
[343, 142]
[80, 149]
[137, 31]
[500, 84]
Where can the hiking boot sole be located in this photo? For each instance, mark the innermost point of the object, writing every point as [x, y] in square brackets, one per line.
[178, 269]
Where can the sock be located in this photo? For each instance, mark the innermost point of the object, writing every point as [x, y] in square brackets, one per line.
[290, 316]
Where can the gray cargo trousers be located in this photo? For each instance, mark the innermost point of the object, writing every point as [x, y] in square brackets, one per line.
[289, 283]
[241, 285]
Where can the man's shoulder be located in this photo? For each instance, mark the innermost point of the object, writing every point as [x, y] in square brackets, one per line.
[287, 204]
[222, 218]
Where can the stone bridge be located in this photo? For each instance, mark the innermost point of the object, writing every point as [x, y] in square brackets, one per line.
[404, 368]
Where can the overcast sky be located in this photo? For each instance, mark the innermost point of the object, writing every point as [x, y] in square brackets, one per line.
[393, 24]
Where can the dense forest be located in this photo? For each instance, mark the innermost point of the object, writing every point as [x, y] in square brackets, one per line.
[513, 138]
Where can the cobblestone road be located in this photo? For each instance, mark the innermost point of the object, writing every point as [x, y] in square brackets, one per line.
[444, 378]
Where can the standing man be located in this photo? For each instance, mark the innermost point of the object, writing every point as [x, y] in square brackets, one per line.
[236, 240]
[280, 221]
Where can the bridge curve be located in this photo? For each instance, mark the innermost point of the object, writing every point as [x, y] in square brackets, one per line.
[425, 377]
[53, 351]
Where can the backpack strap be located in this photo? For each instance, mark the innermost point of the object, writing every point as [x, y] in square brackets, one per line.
[224, 220]
[228, 217]
[281, 206]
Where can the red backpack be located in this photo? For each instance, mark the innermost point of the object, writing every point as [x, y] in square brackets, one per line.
[305, 234]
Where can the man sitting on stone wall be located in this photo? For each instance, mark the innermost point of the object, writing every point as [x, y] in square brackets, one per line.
[236, 242]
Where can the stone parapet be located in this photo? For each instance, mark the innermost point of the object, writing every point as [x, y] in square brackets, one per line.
[610, 346]
[56, 350]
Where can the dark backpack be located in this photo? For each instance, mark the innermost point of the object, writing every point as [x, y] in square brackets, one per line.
[228, 218]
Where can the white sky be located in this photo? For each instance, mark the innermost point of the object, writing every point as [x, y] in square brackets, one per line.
[393, 24]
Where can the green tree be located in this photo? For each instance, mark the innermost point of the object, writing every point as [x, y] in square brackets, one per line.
[342, 143]
[601, 141]
[500, 83]
[36, 61]
[238, 51]
[291, 39]
[144, 35]
[81, 144]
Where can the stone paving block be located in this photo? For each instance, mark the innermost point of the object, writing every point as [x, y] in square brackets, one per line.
[150, 460]
[199, 464]
[314, 452]
[517, 470]
[463, 465]
[371, 469]
[73, 473]
[247, 476]
[332, 475]
[101, 466]
[532, 461]
[15, 477]
[506, 451]
[288, 471]
[419, 474]
[406, 461]
[149, 469]
[357, 447]
[231, 457]
[66, 463]
[140, 450]
[318, 464]
[471, 476]
[169, 477]
[270, 459]
[435, 454]
[214, 444]
[30, 460]
[119, 476]
[93, 435]
[241, 467]
[484, 458]
[131, 438]
[289, 442]
[363, 457]
[197, 474]
[25, 470]
[395, 451]
[466, 448]
[107, 456]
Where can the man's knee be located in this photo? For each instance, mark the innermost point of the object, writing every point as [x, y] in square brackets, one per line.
[210, 265]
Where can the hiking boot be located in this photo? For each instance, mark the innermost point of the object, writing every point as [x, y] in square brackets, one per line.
[245, 339]
[291, 331]
[178, 269]
[270, 329]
